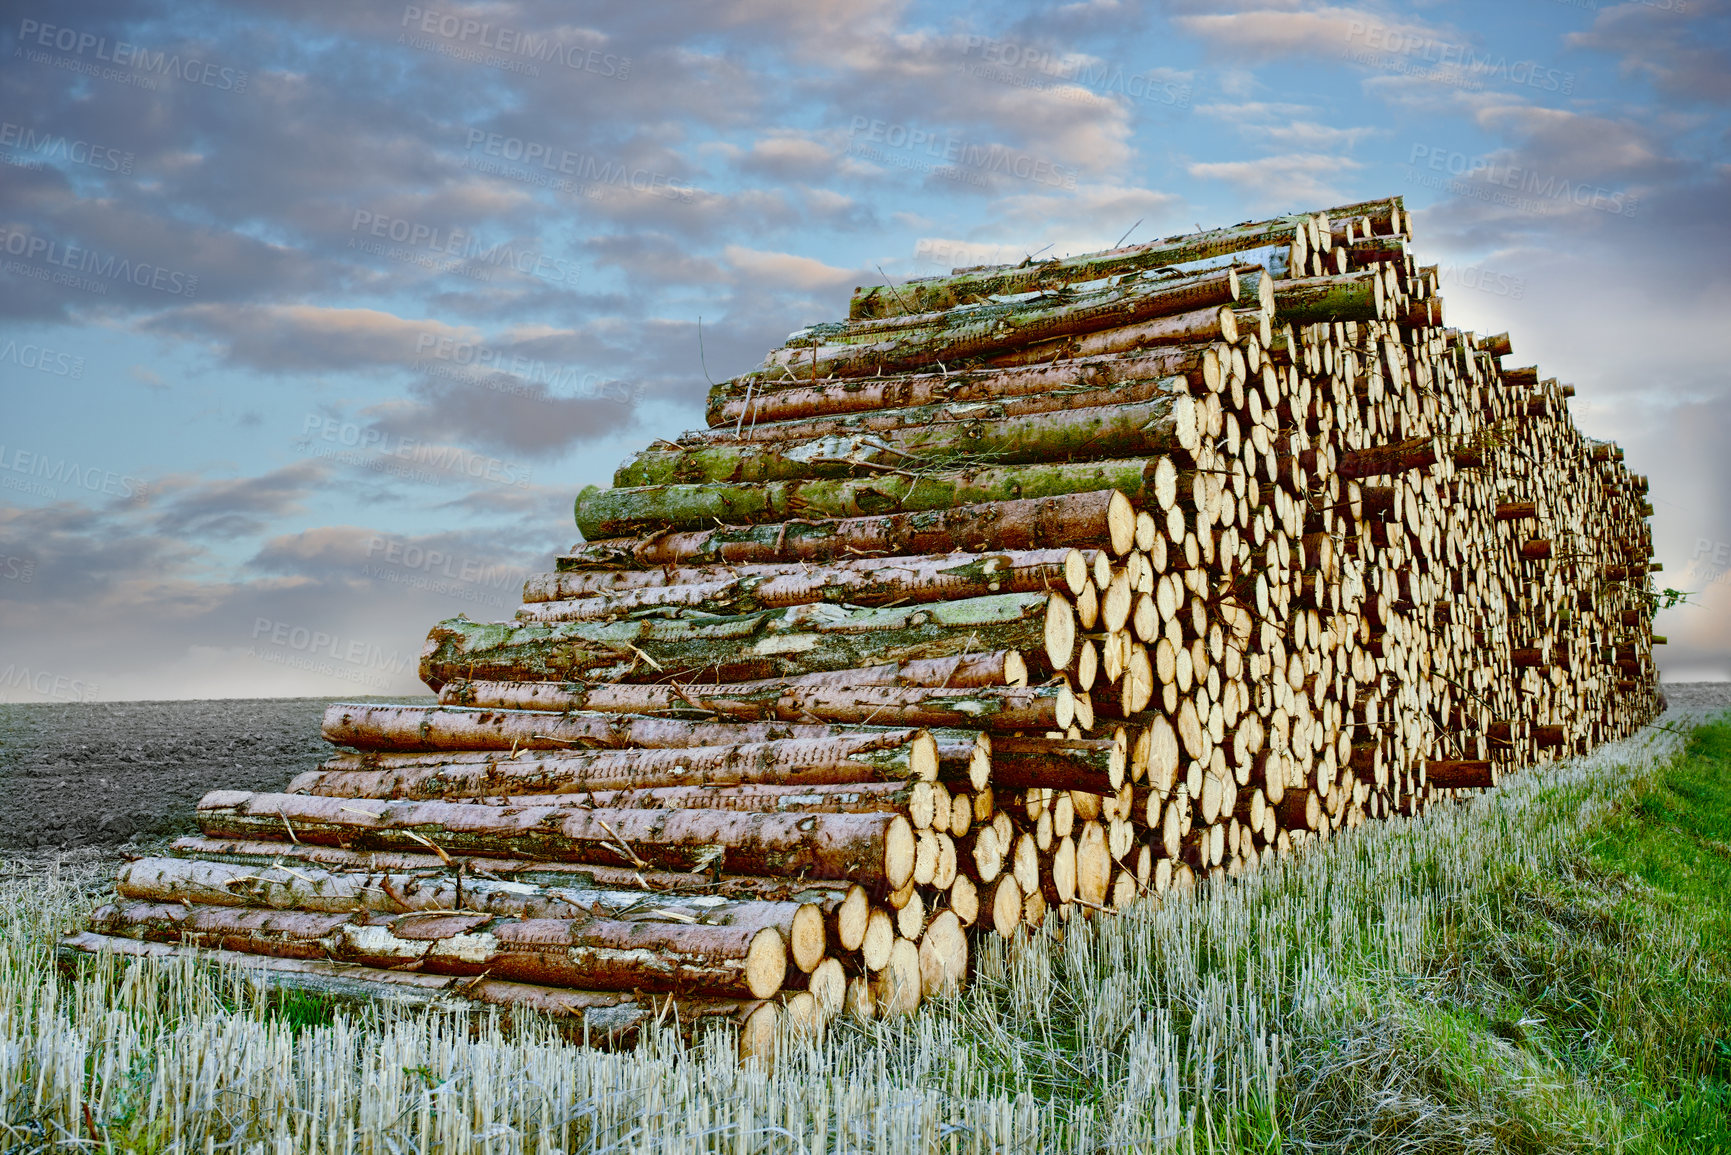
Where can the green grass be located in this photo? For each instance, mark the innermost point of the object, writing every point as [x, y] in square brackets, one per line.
[1543, 968]
[1584, 1004]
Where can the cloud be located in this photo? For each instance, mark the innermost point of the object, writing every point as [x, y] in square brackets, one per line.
[307, 338]
[783, 269]
[1684, 50]
[1261, 34]
[501, 413]
[226, 508]
[1283, 183]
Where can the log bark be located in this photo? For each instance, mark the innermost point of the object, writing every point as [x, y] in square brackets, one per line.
[257, 853]
[904, 797]
[1165, 424]
[900, 422]
[726, 590]
[279, 886]
[1203, 325]
[589, 953]
[1093, 765]
[396, 736]
[987, 707]
[742, 405]
[853, 351]
[1100, 519]
[873, 849]
[605, 512]
[1348, 297]
[999, 668]
[609, 1018]
[1452, 775]
[1386, 460]
[967, 288]
[801, 639]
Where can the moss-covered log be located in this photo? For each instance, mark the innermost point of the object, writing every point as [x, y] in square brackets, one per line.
[742, 405]
[601, 595]
[611, 512]
[1097, 519]
[696, 646]
[1169, 423]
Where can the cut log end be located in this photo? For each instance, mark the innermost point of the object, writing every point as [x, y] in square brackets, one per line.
[943, 956]
[851, 918]
[807, 940]
[900, 846]
[1060, 631]
[1006, 906]
[766, 963]
[757, 1033]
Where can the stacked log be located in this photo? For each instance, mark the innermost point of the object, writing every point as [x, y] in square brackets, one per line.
[1023, 593]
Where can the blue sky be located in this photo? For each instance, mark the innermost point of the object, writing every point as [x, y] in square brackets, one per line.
[314, 317]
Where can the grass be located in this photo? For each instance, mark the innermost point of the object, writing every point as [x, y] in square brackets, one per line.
[1541, 969]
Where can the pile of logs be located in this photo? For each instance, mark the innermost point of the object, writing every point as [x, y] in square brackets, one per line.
[1023, 593]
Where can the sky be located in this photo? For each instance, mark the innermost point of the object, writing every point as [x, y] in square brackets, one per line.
[314, 317]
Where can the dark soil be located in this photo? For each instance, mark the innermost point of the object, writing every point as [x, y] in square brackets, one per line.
[106, 773]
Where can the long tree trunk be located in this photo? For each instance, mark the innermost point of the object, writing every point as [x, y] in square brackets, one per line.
[873, 849]
[1218, 325]
[994, 708]
[1099, 519]
[403, 730]
[588, 953]
[882, 422]
[724, 590]
[738, 406]
[524, 872]
[278, 886]
[968, 288]
[769, 643]
[611, 1018]
[964, 671]
[605, 512]
[792, 762]
[1165, 424]
[845, 351]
